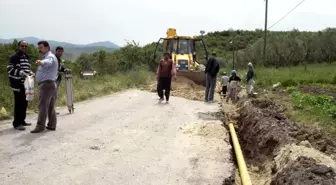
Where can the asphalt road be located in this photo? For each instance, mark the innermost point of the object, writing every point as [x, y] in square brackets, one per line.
[122, 139]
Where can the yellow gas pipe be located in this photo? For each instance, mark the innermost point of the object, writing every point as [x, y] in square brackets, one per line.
[244, 176]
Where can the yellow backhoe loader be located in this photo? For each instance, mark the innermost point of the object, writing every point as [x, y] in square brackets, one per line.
[182, 50]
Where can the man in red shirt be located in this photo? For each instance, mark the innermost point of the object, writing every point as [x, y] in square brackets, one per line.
[166, 70]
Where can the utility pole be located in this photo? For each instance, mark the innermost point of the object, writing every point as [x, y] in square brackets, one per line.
[233, 54]
[265, 37]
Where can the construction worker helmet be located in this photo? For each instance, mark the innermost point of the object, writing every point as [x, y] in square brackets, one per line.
[249, 64]
[224, 73]
[233, 71]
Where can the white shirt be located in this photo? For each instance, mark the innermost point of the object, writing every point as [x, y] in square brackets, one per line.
[225, 80]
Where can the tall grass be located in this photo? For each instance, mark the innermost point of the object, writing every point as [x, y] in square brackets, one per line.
[292, 76]
[82, 89]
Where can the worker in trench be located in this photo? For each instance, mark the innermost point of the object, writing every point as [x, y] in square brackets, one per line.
[249, 79]
[224, 83]
[165, 72]
[234, 83]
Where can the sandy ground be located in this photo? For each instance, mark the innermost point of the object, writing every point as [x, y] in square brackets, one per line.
[122, 139]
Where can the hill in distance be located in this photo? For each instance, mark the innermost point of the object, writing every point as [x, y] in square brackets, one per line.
[72, 51]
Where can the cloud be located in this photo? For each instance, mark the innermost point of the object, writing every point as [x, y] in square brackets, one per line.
[84, 21]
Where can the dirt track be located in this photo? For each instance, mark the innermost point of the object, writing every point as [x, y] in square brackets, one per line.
[125, 138]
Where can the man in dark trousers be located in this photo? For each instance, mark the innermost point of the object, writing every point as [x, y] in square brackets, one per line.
[18, 69]
[166, 70]
[211, 70]
[61, 68]
[46, 76]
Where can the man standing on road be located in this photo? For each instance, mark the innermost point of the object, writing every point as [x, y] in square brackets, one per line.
[211, 70]
[61, 68]
[46, 76]
[224, 82]
[18, 69]
[234, 83]
[166, 70]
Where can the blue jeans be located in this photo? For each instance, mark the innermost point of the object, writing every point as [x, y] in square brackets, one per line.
[210, 86]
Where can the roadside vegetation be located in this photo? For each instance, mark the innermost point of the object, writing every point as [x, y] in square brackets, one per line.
[112, 76]
[307, 92]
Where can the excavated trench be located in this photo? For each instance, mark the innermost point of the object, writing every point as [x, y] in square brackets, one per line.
[279, 151]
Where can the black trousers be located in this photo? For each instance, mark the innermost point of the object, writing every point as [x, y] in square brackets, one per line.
[20, 107]
[164, 83]
[224, 90]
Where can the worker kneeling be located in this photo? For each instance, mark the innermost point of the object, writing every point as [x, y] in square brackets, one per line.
[234, 81]
[166, 70]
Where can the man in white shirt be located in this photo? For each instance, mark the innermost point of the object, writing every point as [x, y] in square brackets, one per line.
[45, 76]
[224, 83]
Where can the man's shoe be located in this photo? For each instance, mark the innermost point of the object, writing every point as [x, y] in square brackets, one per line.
[51, 129]
[160, 100]
[26, 124]
[20, 128]
[167, 102]
[37, 130]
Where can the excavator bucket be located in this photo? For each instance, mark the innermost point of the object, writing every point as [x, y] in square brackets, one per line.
[196, 76]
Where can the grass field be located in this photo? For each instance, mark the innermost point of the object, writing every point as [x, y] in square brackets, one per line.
[82, 89]
[311, 93]
[291, 76]
[315, 73]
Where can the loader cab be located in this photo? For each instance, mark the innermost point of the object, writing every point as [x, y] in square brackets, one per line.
[182, 51]
[182, 56]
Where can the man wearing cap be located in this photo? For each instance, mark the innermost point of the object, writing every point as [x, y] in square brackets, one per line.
[224, 83]
[234, 83]
[165, 71]
[249, 78]
[211, 70]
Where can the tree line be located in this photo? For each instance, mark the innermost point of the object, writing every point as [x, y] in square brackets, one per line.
[284, 48]
[290, 48]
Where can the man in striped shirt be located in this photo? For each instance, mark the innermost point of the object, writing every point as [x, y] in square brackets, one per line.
[18, 69]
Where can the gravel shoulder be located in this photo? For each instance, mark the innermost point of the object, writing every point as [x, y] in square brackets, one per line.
[125, 138]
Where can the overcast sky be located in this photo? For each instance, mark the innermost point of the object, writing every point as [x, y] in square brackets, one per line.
[85, 21]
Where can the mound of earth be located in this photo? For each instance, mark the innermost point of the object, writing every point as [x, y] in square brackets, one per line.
[283, 149]
[186, 88]
[305, 171]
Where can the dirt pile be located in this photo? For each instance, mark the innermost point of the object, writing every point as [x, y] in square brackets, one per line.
[186, 88]
[282, 149]
[261, 129]
[305, 171]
